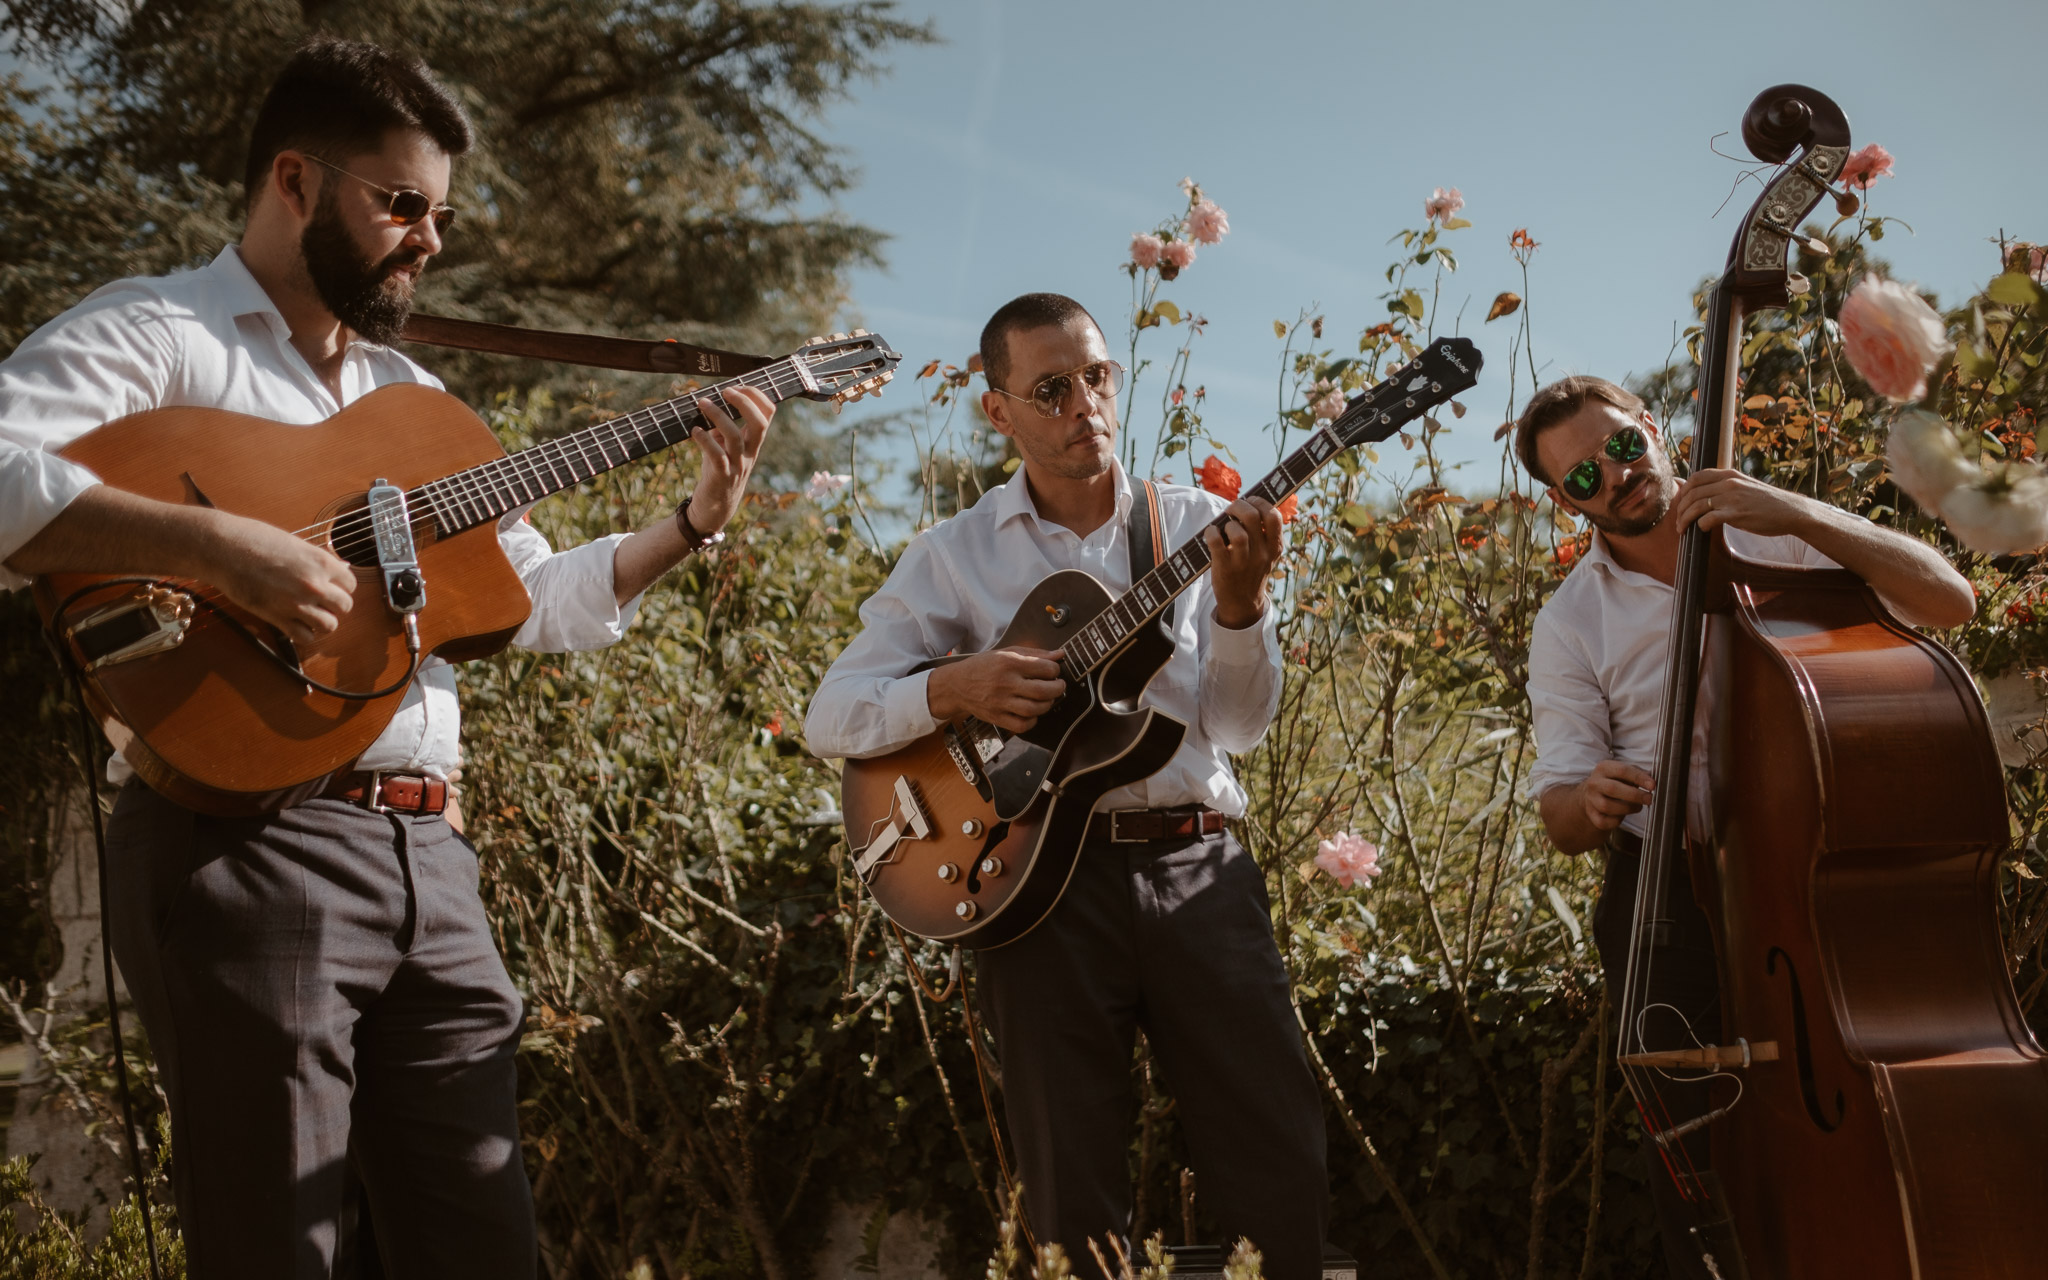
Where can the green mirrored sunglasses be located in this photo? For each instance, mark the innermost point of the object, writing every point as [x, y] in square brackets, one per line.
[1584, 480]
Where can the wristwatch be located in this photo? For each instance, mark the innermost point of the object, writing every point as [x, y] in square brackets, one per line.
[692, 537]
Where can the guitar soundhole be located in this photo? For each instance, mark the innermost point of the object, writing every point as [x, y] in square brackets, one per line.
[349, 536]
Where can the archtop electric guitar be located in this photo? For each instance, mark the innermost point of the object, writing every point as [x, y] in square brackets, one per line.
[970, 834]
[219, 710]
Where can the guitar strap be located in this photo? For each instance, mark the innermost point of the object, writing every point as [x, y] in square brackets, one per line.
[1148, 540]
[637, 355]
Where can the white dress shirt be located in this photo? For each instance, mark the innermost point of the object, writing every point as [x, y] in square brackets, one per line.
[1597, 663]
[959, 583]
[212, 337]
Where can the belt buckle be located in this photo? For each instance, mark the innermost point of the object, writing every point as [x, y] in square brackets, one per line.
[374, 801]
[1116, 835]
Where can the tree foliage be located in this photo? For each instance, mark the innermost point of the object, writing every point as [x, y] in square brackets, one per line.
[642, 167]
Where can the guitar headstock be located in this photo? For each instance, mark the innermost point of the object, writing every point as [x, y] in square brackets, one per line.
[1443, 369]
[845, 366]
[1783, 120]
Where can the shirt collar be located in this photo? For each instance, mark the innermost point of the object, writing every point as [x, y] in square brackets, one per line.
[1600, 558]
[1014, 498]
[247, 296]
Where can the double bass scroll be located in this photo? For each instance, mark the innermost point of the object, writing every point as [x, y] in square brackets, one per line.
[1855, 819]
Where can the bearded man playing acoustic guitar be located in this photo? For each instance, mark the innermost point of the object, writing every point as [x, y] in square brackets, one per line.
[320, 985]
[1165, 922]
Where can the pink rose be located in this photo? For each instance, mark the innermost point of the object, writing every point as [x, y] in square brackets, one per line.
[1350, 860]
[1444, 205]
[1145, 250]
[1207, 223]
[1326, 400]
[1892, 337]
[1178, 252]
[1866, 166]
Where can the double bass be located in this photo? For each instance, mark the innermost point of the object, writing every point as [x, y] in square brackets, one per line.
[1877, 1105]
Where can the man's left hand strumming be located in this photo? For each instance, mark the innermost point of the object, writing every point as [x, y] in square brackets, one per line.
[1242, 553]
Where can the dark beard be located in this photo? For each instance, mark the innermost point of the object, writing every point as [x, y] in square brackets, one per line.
[366, 296]
[1616, 527]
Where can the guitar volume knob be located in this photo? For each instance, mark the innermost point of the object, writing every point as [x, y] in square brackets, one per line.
[991, 867]
[948, 872]
[964, 909]
[971, 828]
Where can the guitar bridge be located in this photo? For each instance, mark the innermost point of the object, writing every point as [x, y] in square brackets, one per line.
[907, 820]
[149, 621]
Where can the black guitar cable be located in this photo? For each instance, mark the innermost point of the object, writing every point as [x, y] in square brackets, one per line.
[93, 773]
[289, 665]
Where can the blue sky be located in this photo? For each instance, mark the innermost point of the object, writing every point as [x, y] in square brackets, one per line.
[1023, 153]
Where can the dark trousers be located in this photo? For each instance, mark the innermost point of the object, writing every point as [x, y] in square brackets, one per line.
[1685, 977]
[1177, 938]
[321, 989]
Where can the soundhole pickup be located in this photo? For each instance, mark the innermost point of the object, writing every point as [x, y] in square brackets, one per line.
[153, 620]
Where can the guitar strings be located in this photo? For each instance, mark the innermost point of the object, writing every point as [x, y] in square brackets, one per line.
[354, 531]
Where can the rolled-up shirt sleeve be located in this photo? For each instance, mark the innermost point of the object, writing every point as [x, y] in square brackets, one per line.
[575, 603]
[1240, 680]
[106, 358]
[871, 702]
[1568, 709]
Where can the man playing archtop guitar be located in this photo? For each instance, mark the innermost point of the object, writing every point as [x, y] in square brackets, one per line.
[320, 985]
[1165, 921]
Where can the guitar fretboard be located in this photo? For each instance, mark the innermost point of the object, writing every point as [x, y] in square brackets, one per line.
[1148, 597]
[485, 493]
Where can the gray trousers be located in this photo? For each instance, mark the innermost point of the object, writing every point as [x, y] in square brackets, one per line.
[320, 988]
[1177, 938]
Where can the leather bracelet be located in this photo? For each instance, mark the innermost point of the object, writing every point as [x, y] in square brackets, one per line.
[692, 538]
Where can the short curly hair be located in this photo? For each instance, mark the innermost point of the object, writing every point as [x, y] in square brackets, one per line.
[1561, 400]
[338, 98]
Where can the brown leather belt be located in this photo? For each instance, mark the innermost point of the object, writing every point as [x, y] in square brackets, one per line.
[1623, 841]
[389, 792]
[1136, 826]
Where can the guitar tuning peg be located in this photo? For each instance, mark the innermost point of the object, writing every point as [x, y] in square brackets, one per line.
[813, 341]
[838, 337]
[889, 375]
[859, 333]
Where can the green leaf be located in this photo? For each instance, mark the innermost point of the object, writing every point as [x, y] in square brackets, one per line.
[2014, 290]
[1168, 310]
[1877, 231]
[1356, 516]
[1457, 224]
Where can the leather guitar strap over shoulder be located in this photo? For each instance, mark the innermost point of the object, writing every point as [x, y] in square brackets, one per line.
[635, 354]
[1147, 534]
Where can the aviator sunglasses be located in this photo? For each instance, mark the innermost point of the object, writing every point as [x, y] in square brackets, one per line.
[1102, 379]
[1585, 479]
[407, 207]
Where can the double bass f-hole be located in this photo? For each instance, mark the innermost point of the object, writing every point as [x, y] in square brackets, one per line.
[1802, 1046]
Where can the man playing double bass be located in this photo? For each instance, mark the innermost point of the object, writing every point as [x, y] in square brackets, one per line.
[1165, 922]
[320, 985]
[1597, 667]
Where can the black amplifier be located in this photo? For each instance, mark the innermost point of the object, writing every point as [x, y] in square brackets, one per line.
[1205, 1262]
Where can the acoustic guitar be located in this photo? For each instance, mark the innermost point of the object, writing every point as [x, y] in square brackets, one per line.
[220, 711]
[970, 834]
